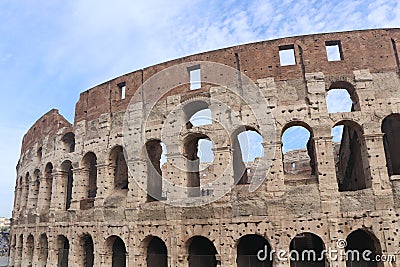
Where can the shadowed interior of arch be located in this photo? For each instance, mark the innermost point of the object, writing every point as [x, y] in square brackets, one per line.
[298, 151]
[350, 164]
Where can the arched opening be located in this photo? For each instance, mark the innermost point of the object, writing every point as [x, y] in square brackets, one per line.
[48, 172]
[359, 242]
[63, 251]
[66, 168]
[43, 250]
[338, 100]
[89, 168]
[197, 113]
[298, 150]
[69, 142]
[36, 188]
[118, 250]
[39, 154]
[248, 252]
[342, 97]
[88, 250]
[391, 142]
[119, 169]
[30, 246]
[155, 152]
[157, 255]
[197, 150]
[246, 149]
[200, 118]
[202, 252]
[306, 249]
[20, 246]
[351, 166]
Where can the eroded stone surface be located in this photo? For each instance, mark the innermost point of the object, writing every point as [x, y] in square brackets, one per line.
[106, 208]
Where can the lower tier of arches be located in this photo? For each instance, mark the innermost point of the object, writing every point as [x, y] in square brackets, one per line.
[251, 243]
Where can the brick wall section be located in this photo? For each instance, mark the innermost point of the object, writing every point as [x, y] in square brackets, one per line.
[48, 124]
[371, 50]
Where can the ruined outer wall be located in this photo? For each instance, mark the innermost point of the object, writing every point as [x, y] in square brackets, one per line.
[280, 209]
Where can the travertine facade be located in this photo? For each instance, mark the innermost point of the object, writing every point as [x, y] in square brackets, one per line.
[77, 204]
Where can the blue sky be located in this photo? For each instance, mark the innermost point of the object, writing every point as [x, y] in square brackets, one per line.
[50, 51]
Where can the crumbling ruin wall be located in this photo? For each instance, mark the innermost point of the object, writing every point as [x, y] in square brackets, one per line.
[69, 209]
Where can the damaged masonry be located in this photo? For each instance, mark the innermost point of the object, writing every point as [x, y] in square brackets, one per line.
[84, 198]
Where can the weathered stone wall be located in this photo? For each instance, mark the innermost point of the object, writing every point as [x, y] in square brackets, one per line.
[283, 207]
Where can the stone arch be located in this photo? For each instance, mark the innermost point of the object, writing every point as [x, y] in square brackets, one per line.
[190, 108]
[86, 250]
[201, 252]
[350, 88]
[241, 172]
[89, 167]
[391, 130]
[30, 247]
[307, 249]
[153, 151]
[67, 181]
[118, 168]
[20, 246]
[190, 151]
[68, 141]
[306, 160]
[89, 175]
[248, 251]
[352, 166]
[43, 250]
[156, 252]
[62, 250]
[35, 188]
[48, 185]
[116, 252]
[359, 241]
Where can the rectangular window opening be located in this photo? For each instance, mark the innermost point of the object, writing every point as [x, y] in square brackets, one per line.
[334, 50]
[195, 77]
[286, 55]
[122, 90]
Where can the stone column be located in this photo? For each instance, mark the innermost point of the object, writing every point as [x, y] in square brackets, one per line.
[18, 255]
[104, 185]
[17, 199]
[12, 249]
[275, 182]
[59, 190]
[316, 94]
[327, 181]
[52, 256]
[380, 182]
[79, 187]
[176, 176]
[137, 174]
[76, 254]
[31, 196]
[43, 197]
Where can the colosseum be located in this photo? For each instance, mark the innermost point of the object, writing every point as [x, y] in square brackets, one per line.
[124, 185]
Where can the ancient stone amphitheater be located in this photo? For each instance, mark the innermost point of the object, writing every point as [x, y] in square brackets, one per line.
[94, 193]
